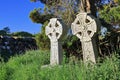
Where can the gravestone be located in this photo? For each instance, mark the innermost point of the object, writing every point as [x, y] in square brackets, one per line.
[55, 30]
[85, 27]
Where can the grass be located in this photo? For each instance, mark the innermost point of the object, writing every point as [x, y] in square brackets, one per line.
[28, 67]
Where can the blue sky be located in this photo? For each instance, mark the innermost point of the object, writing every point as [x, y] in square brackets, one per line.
[15, 15]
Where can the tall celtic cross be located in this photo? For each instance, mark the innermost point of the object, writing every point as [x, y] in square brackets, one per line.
[55, 30]
[84, 27]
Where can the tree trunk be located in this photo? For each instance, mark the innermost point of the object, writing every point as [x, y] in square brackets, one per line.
[88, 6]
[93, 8]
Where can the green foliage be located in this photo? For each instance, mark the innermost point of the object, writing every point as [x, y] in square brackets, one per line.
[111, 14]
[22, 34]
[117, 1]
[108, 70]
[28, 67]
[5, 31]
[64, 9]
[72, 46]
[37, 17]
[41, 39]
[46, 1]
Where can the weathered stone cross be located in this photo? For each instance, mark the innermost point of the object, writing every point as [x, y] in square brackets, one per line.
[84, 27]
[54, 30]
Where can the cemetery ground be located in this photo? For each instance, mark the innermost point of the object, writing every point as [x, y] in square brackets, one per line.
[28, 67]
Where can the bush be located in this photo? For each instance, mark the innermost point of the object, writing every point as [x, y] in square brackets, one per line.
[72, 47]
[42, 40]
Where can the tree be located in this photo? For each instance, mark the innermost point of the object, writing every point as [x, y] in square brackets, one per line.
[67, 10]
[41, 39]
[3, 33]
[22, 34]
[7, 30]
[113, 10]
[110, 13]
[58, 8]
[37, 17]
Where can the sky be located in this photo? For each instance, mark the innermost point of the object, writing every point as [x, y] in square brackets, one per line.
[15, 15]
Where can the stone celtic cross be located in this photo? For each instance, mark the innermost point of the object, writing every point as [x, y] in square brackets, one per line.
[55, 31]
[84, 27]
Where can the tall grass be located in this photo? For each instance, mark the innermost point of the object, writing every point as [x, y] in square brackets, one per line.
[28, 67]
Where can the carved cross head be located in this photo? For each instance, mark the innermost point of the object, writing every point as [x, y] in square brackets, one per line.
[54, 29]
[84, 27]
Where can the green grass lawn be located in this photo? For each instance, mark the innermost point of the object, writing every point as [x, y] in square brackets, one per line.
[28, 67]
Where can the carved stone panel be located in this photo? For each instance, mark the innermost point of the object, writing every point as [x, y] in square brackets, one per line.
[84, 27]
[55, 30]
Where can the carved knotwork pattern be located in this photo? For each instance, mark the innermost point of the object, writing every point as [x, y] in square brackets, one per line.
[54, 29]
[84, 27]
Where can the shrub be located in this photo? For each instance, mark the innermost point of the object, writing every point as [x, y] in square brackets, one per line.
[41, 39]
